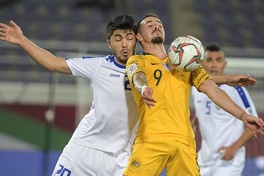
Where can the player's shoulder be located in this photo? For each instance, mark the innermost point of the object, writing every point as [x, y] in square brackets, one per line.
[136, 57]
[109, 58]
[200, 72]
[235, 91]
[241, 89]
[226, 87]
[101, 59]
[93, 57]
[141, 56]
[84, 58]
[105, 62]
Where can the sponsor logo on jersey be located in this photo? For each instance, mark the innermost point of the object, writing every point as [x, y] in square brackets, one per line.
[114, 75]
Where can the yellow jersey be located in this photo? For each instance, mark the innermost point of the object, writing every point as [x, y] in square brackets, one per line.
[170, 117]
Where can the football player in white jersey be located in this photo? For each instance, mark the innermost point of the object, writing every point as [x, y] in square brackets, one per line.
[223, 136]
[101, 143]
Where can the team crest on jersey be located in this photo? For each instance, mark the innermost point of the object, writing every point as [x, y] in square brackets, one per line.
[135, 163]
[132, 68]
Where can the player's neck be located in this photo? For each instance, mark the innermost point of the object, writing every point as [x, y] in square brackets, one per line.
[157, 50]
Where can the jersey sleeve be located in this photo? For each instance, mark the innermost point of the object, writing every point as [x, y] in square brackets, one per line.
[134, 64]
[83, 67]
[198, 76]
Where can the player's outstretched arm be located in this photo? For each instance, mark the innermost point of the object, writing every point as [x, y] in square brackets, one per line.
[140, 82]
[219, 97]
[13, 34]
[234, 80]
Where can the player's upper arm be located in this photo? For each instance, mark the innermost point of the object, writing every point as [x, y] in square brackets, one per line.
[208, 87]
[134, 65]
[60, 65]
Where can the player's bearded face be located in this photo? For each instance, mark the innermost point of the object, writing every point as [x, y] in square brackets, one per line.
[157, 40]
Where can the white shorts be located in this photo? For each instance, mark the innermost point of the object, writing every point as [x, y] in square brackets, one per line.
[220, 167]
[77, 160]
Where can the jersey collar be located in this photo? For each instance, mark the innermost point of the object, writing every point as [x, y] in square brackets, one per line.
[111, 58]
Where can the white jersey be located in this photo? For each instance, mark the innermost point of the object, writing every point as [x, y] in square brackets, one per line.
[113, 115]
[218, 127]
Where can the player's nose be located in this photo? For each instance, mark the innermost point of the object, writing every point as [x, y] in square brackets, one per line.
[124, 43]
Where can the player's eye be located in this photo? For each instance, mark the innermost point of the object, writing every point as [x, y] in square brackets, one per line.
[150, 25]
[130, 37]
[219, 60]
[117, 39]
[208, 60]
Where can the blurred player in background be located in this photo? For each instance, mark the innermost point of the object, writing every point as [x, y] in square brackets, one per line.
[165, 137]
[223, 136]
[101, 144]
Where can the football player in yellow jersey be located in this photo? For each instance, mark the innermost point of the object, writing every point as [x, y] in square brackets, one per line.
[165, 137]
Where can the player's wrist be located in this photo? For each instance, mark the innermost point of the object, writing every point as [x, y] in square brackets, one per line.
[242, 115]
[230, 79]
[142, 89]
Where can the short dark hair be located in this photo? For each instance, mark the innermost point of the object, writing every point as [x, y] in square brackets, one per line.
[146, 16]
[213, 47]
[120, 22]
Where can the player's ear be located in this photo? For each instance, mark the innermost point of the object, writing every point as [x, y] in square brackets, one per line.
[138, 37]
[108, 43]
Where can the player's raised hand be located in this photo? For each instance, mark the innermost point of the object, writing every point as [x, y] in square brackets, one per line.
[255, 124]
[12, 34]
[242, 80]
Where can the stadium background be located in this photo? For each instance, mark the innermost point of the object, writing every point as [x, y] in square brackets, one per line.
[29, 145]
